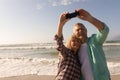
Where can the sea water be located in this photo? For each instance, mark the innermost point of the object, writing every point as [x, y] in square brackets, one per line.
[42, 59]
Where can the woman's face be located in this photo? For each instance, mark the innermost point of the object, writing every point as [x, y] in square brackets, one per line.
[75, 44]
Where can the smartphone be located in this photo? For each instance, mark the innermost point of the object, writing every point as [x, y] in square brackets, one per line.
[71, 15]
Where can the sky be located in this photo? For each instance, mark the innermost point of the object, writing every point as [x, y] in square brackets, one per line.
[35, 21]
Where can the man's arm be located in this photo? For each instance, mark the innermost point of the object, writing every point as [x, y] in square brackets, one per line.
[84, 15]
[97, 23]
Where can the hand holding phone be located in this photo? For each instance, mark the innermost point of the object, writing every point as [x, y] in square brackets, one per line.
[72, 15]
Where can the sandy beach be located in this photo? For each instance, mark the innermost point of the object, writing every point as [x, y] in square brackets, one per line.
[44, 77]
[30, 77]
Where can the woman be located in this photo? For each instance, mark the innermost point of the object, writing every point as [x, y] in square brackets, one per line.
[68, 67]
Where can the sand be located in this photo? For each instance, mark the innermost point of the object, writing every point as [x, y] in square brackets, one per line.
[44, 77]
[30, 77]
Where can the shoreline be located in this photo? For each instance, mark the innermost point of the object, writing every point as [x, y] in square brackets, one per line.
[44, 77]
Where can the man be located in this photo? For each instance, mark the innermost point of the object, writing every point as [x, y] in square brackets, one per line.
[91, 54]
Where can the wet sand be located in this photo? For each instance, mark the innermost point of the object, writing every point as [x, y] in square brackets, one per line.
[43, 77]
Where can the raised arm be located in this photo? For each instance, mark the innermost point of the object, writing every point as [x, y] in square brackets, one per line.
[84, 15]
[61, 23]
[59, 37]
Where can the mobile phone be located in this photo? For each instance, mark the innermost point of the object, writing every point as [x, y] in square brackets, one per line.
[71, 15]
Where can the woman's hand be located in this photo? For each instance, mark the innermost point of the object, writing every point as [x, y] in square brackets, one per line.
[61, 23]
[63, 19]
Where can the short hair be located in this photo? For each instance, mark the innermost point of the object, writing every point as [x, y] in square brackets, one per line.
[79, 24]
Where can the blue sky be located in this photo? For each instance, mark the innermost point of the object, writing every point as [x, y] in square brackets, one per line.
[35, 21]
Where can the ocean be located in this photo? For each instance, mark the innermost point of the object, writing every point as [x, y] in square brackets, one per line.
[42, 59]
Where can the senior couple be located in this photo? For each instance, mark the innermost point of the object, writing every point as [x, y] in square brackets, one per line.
[82, 58]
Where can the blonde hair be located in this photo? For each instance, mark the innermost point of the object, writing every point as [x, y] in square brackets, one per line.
[68, 43]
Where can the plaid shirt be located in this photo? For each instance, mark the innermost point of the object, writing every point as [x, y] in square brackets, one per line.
[68, 67]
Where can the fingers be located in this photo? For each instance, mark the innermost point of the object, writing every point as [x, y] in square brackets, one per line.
[63, 17]
[63, 14]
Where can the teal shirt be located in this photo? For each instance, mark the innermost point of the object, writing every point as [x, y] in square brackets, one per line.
[96, 55]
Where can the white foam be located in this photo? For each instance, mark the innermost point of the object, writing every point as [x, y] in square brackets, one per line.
[114, 67]
[24, 66]
[15, 66]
